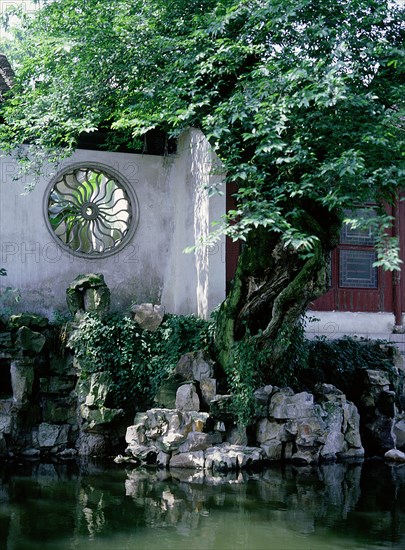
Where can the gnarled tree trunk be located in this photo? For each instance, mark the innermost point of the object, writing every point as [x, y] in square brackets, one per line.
[272, 288]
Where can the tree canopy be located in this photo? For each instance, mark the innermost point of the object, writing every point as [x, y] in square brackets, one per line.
[300, 99]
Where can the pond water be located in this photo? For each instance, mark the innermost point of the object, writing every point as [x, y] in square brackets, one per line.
[87, 506]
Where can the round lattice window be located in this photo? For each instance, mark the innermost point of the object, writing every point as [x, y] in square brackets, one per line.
[90, 210]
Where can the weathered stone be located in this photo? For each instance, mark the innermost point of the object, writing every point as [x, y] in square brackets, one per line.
[22, 379]
[399, 432]
[166, 395]
[163, 459]
[194, 366]
[97, 300]
[75, 293]
[237, 436]
[31, 453]
[91, 444]
[352, 454]
[352, 433]
[170, 441]
[57, 384]
[62, 366]
[28, 320]
[231, 457]
[208, 388]
[135, 434]
[52, 435]
[67, 453]
[334, 438]
[195, 441]
[29, 340]
[146, 455]
[261, 400]
[61, 410]
[310, 433]
[377, 378]
[148, 316]
[395, 455]
[273, 449]
[100, 416]
[379, 435]
[308, 456]
[267, 430]
[284, 405]
[187, 398]
[100, 389]
[193, 460]
[220, 459]
[7, 416]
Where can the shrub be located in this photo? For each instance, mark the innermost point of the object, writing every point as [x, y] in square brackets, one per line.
[138, 360]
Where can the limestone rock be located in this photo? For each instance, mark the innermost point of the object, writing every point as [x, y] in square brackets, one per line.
[285, 404]
[97, 300]
[194, 366]
[144, 454]
[305, 456]
[31, 453]
[187, 398]
[395, 455]
[261, 400]
[30, 320]
[52, 435]
[148, 316]
[166, 395]
[194, 460]
[88, 292]
[22, 379]
[100, 389]
[273, 449]
[399, 432]
[223, 458]
[267, 430]
[91, 444]
[171, 441]
[100, 416]
[195, 441]
[162, 460]
[237, 436]
[29, 340]
[60, 410]
[208, 388]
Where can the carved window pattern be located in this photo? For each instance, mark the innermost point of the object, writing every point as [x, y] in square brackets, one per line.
[91, 211]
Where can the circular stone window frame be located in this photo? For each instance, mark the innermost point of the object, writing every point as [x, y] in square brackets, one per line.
[122, 181]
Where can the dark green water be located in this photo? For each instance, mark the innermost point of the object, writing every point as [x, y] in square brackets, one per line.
[67, 506]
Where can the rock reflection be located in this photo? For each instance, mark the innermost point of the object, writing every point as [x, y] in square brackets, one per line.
[61, 505]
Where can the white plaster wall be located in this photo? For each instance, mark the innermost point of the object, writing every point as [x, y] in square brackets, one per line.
[173, 211]
[335, 324]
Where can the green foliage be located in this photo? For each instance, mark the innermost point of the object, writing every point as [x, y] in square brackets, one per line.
[137, 360]
[300, 100]
[9, 297]
[243, 378]
[342, 362]
[295, 357]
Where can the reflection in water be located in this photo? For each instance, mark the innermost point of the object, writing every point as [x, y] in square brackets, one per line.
[58, 506]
